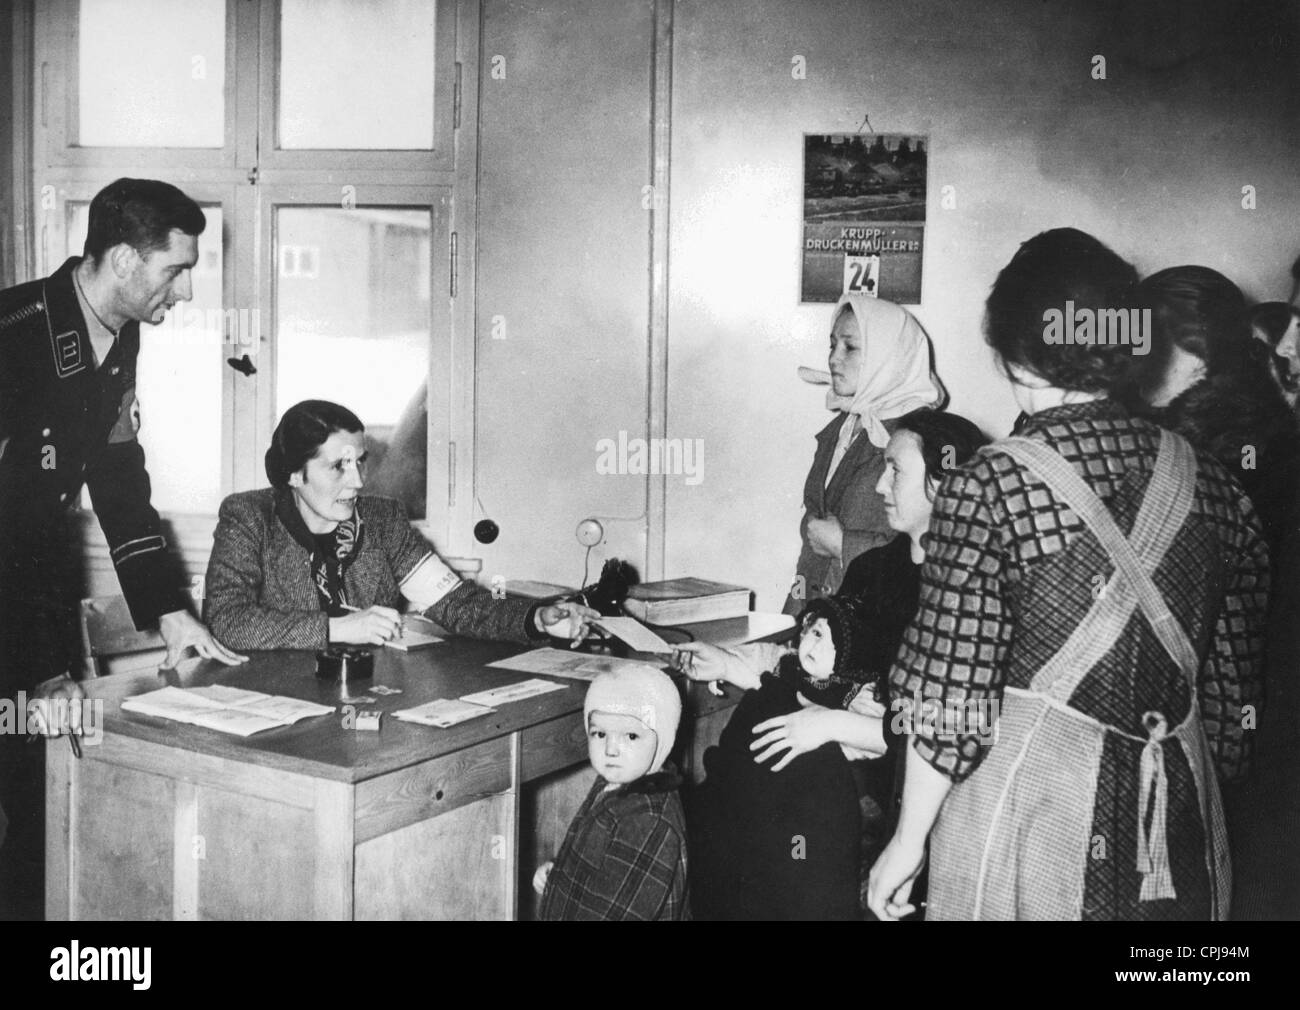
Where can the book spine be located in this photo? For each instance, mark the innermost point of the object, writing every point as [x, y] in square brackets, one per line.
[672, 612]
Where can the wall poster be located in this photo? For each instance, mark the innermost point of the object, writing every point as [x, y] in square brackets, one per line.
[863, 216]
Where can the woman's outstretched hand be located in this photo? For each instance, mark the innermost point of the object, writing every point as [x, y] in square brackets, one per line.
[700, 661]
[711, 665]
[566, 620]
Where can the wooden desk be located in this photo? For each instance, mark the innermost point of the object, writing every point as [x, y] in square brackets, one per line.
[168, 821]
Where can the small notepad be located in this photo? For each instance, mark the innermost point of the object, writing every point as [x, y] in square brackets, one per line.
[512, 692]
[442, 713]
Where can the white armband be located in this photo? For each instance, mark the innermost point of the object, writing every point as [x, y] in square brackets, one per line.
[428, 582]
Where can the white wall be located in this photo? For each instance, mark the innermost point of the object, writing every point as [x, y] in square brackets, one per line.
[563, 253]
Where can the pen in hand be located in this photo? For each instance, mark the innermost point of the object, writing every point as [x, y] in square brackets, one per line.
[72, 740]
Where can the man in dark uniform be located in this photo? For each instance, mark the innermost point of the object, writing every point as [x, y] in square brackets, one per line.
[68, 417]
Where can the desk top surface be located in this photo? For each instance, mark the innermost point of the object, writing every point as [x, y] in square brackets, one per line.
[322, 748]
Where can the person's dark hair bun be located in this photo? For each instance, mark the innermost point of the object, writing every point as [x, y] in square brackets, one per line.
[947, 440]
[1048, 271]
[275, 471]
[302, 430]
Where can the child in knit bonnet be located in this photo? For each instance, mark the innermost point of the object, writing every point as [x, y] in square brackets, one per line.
[624, 856]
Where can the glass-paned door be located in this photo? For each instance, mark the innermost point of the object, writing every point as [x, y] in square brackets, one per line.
[352, 325]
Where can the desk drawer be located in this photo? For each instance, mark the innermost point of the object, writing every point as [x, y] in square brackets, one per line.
[553, 745]
[426, 790]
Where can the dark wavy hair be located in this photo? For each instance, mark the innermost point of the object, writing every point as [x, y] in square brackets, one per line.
[141, 213]
[1048, 270]
[947, 440]
[302, 430]
[1199, 311]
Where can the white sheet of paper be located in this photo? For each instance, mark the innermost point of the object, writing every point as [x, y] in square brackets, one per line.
[170, 703]
[227, 709]
[512, 692]
[634, 633]
[564, 663]
[443, 713]
[223, 695]
[289, 710]
[235, 720]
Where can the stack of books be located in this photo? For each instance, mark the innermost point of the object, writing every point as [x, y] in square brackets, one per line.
[686, 601]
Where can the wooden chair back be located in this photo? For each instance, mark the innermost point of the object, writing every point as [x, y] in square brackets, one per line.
[107, 631]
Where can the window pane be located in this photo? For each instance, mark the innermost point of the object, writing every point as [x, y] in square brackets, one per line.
[178, 380]
[152, 74]
[356, 76]
[352, 325]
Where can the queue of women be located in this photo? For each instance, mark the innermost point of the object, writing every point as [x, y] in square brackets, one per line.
[1098, 583]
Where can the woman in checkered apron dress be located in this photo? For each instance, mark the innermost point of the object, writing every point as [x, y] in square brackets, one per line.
[1095, 591]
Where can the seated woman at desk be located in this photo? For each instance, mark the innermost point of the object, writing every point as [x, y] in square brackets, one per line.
[745, 818]
[310, 560]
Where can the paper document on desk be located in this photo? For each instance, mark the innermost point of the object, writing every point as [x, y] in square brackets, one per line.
[270, 706]
[565, 663]
[512, 692]
[442, 713]
[220, 694]
[225, 709]
[171, 703]
[634, 633]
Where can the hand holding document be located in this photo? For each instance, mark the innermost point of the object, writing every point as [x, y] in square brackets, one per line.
[634, 633]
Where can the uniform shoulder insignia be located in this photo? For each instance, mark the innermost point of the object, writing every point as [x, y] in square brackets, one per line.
[18, 315]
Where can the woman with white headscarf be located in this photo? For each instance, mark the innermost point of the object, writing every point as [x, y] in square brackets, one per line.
[879, 370]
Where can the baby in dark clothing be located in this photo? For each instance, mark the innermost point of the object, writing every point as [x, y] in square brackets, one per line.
[785, 845]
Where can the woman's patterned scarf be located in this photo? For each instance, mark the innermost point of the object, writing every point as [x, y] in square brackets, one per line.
[327, 567]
